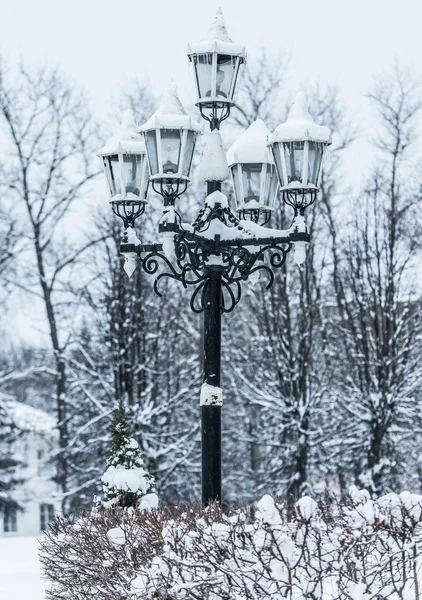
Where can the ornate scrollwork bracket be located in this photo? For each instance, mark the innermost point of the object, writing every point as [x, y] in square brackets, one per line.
[197, 251]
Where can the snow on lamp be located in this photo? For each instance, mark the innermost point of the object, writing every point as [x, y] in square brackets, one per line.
[170, 137]
[298, 147]
[125, 167]
[216, 60]
[253, 173]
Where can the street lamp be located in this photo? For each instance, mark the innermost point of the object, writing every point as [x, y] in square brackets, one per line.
[216, 61]
[218, 252]
[298, 146]
[170, 137]
[125, 168]
[253, 173]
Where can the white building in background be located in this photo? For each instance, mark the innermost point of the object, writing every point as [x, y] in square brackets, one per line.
[37, 494]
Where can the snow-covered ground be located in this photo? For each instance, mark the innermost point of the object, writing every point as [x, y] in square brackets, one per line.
[20, 572]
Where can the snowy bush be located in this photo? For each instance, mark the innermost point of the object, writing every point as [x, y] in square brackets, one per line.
[360, 549]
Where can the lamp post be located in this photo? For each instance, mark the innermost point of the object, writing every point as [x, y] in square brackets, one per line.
[217, 252]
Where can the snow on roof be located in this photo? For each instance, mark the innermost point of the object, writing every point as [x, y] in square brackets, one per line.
[27, 418]
[217, 40]
[170, 113]
[300, 125]
[128, 139]
[251, 146]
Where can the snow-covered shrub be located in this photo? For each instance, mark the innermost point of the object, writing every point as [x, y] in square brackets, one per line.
[125, 481]
[360, 549]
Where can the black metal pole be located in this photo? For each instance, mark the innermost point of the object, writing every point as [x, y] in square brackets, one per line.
[211, 415]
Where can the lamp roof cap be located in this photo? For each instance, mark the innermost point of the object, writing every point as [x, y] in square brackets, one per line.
[217, 39]
[300, 126]
[170, 113]
[251, 146]
[127, 140]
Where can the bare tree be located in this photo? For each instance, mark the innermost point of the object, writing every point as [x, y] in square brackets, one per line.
[260, 87]
[51, 139]
[280, 370]
[378, 320]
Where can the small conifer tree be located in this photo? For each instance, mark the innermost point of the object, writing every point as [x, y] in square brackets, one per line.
[9, 465]
[125, 481]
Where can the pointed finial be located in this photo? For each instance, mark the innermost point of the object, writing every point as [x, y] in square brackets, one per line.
[170, 103]
[300, 108]
[130, 263]
[218, 40]
[299, 253]
[218, 30]
[129, 119]
[170, 113]
[300, 125]
[126, 135]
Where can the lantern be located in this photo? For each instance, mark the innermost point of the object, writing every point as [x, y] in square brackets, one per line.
[298, 147]
[253, 173]
[170, 137]
[216, 60]
[124, 163]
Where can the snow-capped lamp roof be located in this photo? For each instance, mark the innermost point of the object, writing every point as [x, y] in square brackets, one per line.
[300, 125]
[217, 40]
[251, 146]
[170, 114]
[127, 139]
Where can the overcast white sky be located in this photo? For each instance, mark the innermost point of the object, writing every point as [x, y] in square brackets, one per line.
[101, 44]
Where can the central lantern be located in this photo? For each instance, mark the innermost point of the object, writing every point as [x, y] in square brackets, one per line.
[253, 173]
[170, 137]
[216, 60]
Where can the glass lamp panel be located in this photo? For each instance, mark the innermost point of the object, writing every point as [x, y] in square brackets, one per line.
[171, 140]
[294, 152]
[270, 189]
[314, 161]
[235, 76]
[225, 73]
[151, 148]
[251, 181]
[188, 155]
[112, 167]
[203, 68]
[278, 151]
[132, 173]
[144, 177]
[236, 185]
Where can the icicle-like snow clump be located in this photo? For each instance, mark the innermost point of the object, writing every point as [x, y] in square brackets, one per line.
[214, 163]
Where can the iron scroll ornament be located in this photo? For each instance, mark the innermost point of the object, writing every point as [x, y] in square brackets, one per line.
[195, 257]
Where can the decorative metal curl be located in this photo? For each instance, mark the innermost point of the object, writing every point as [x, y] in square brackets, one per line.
[256, 215]
[299, 199]
[208, 213]
[188, 267]
[214, 118]
[230, 295]
[175, 188]
[236, 264]
[242, 262]
[128, 210]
